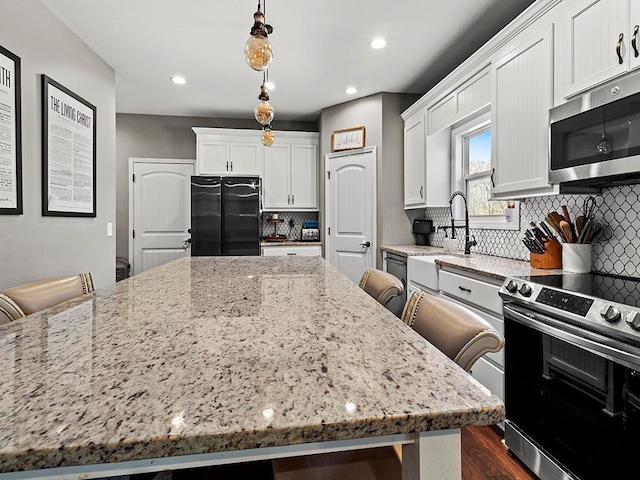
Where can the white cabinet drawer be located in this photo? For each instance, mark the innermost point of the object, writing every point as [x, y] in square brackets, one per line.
[490, 376]
[308, 251]
[472, 291]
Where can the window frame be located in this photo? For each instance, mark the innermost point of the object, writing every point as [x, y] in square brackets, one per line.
[466, 128]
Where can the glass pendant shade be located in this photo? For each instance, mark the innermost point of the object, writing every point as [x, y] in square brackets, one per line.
[268, 137]
[258, 52]
[263, 113]
[603, 149]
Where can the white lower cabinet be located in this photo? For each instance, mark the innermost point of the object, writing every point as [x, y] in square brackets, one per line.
[481, 297]
[301, 250]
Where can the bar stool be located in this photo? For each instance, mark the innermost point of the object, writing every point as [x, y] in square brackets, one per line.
[381, 285]
[22, 300]
[456, 331]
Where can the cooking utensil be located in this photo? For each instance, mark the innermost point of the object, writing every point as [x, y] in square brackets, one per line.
[579, 224]
[547, 230]
[538, 244]
[555, 224]
[565, 227]
[539, 234]
[588, 209]
[567, 217]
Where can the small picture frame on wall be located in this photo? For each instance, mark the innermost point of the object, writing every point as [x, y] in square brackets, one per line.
[10, 135]
[348, 139]
[68, 152]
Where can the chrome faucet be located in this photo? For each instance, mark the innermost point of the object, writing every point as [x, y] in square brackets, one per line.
[467, 243]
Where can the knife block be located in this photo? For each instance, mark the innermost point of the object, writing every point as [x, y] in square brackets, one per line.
[552, 258]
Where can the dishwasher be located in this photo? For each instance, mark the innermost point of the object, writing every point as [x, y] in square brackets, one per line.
[397, 266]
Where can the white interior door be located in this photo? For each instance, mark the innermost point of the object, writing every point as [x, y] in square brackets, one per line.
[351, 211]
[160, 215]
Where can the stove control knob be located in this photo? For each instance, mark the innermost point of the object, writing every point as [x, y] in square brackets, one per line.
[633, 319]
[525, 290]
[610, 314]
[512, 287]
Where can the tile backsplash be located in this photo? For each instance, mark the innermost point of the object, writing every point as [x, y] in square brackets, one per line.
[615, 251]
[285, 228]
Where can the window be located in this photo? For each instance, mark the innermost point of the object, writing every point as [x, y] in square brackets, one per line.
[472, 175]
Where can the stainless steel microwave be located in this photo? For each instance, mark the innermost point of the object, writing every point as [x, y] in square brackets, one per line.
[599, 146]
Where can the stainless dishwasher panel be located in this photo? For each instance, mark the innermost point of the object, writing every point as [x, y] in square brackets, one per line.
[397, 266]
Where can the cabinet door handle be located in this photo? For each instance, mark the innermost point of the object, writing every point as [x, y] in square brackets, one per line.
[493, 184]
[232, 166]
[227, 169]
[464, 289]
[293, 199]
[634, 41]
[619, 48]
[421, 190]
[288, 199]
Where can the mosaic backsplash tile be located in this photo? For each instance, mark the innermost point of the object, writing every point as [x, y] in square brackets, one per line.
[615, 251]
[291, 226]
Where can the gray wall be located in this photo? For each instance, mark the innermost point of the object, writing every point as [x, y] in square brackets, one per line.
[157, 136]
[34, 246]
[380, 114]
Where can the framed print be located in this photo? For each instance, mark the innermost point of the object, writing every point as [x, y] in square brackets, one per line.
[347, 139]
[68, 152]
[10, 135]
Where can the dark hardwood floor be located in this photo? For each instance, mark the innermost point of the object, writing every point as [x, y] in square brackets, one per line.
[484, 457]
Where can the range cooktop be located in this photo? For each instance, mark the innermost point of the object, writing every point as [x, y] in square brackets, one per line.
[602, 303]
[612, 288]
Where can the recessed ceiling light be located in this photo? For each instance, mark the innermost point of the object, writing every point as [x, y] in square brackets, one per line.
[270, 86]
[351, 90]
[178, 80]
[378, 43]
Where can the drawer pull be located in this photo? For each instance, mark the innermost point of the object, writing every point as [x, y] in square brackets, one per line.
[291, 253]
[464, 289]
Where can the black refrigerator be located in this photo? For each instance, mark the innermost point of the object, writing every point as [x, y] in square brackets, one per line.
[225, 216]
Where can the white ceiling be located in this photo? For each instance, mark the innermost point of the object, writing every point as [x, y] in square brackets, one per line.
[320, 48]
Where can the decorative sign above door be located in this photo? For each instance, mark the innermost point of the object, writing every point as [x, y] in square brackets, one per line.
[348, 139]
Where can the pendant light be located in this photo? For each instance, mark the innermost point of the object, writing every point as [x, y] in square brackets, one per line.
[603, 149]
[268, 136]
[264, 111]
[257, 51]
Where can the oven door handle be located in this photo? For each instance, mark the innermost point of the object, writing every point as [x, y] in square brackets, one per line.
[623, 354]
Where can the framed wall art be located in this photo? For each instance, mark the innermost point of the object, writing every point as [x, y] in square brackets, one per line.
[68, 152]
[348, 138]
[10, 135]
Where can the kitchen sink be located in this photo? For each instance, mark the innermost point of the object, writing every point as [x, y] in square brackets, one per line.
[422, 272]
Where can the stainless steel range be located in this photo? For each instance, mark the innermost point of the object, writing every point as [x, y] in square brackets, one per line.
[572, 374]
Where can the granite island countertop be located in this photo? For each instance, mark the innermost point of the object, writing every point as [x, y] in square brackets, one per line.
[215, 354]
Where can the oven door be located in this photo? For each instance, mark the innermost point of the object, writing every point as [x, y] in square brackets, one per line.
[571, 401]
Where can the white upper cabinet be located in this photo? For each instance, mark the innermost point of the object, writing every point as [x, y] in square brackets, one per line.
[221, 151]
[596, 42]
[634, 25]
[415, 135]
[304, 176]
[277, 177]
[427, 167]
[522, 95]
[291, 172]
[469, 97]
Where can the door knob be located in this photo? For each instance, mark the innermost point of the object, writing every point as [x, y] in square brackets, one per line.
[186, 243]
[366, 244]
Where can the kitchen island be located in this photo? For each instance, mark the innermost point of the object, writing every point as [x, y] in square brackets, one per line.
[212, 360]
